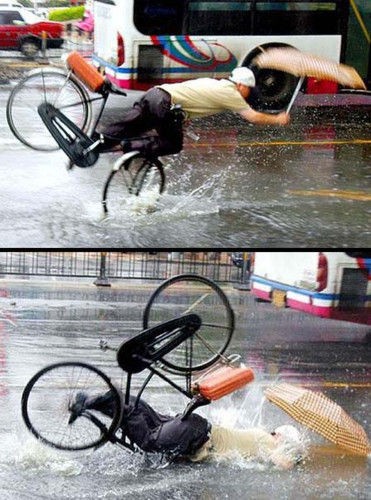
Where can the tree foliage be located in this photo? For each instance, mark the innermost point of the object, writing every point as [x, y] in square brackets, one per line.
[67, 14]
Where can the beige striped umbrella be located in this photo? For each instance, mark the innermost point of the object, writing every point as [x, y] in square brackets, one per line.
[301, 64]
[320, 414]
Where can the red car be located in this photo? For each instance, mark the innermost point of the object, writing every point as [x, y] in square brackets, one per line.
[22, 30]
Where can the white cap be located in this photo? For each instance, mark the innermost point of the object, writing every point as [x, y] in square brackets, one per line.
[291, 446]
[288, 433]
[243, 75]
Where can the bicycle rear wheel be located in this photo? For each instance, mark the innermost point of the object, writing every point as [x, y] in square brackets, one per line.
[47, 406]
[189, 293]
[136, 176]
[46, 86]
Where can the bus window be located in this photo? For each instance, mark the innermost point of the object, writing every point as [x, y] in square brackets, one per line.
[241, 17]
[219, 18]
[159, 17]
[296, 18]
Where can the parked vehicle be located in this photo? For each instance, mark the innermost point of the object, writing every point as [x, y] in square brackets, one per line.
[328, 284]
[22, 30]
[10, 3]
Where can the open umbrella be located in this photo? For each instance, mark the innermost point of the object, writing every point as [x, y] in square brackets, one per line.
[320, 414]
[301, 64]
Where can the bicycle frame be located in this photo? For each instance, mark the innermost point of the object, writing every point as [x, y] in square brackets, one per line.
[145, 351]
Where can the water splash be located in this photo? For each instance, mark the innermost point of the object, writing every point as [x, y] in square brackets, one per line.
[151, 207]
[244, 412]
[28, 453]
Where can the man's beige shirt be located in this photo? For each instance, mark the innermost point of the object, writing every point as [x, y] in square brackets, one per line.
[249, 443]
[205, 96]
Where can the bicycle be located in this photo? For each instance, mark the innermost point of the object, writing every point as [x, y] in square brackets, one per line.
[193, 338]
[60, 100]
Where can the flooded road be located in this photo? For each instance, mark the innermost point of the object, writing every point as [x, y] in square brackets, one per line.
[46, 322]
[304, 185]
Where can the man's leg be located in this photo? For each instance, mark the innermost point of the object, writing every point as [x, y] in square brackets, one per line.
[142, 117]
[166, 123]
[169, 129]
[133, 123]
[180, 436]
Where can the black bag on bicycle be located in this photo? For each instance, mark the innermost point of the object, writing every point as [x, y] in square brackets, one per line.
[75, 143]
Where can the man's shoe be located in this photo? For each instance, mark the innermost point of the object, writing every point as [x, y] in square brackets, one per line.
[78, 406]
[103, 403]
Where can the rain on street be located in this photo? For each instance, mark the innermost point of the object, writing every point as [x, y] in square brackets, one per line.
[49, 321]
[307, 184]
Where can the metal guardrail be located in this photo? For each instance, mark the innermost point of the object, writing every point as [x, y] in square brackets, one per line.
[107, 266]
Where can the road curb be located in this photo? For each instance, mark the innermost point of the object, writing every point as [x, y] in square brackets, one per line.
[14, 70]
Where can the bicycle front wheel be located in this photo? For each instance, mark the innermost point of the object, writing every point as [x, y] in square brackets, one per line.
[189, 293]
[49, 400]
[46, 86]
[137, 176]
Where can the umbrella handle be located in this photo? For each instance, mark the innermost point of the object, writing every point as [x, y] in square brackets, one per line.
[296, 91]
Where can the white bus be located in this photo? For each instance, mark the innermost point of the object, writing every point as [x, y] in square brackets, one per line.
[329, 284]
[141, 43]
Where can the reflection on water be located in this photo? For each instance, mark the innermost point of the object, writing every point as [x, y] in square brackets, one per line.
[49, 324]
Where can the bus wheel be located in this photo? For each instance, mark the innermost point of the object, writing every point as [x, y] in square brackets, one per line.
[274, 88]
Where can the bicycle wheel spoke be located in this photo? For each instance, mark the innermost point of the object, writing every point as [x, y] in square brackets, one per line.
[59, 93]
[213, 325]
[196, 303]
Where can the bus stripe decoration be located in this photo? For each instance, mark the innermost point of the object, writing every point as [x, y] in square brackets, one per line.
[322, 415]
[183, 50]
[302, 64]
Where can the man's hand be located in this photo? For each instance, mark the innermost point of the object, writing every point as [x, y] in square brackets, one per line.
[283, 118]
[259, 118]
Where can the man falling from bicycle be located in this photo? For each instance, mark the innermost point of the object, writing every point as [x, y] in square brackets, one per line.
[164, 108]
[192, 437]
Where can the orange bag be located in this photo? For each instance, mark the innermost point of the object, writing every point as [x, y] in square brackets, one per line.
[223, 381]
[86, 72]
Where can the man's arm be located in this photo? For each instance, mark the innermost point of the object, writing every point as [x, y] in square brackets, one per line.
[258, 118]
